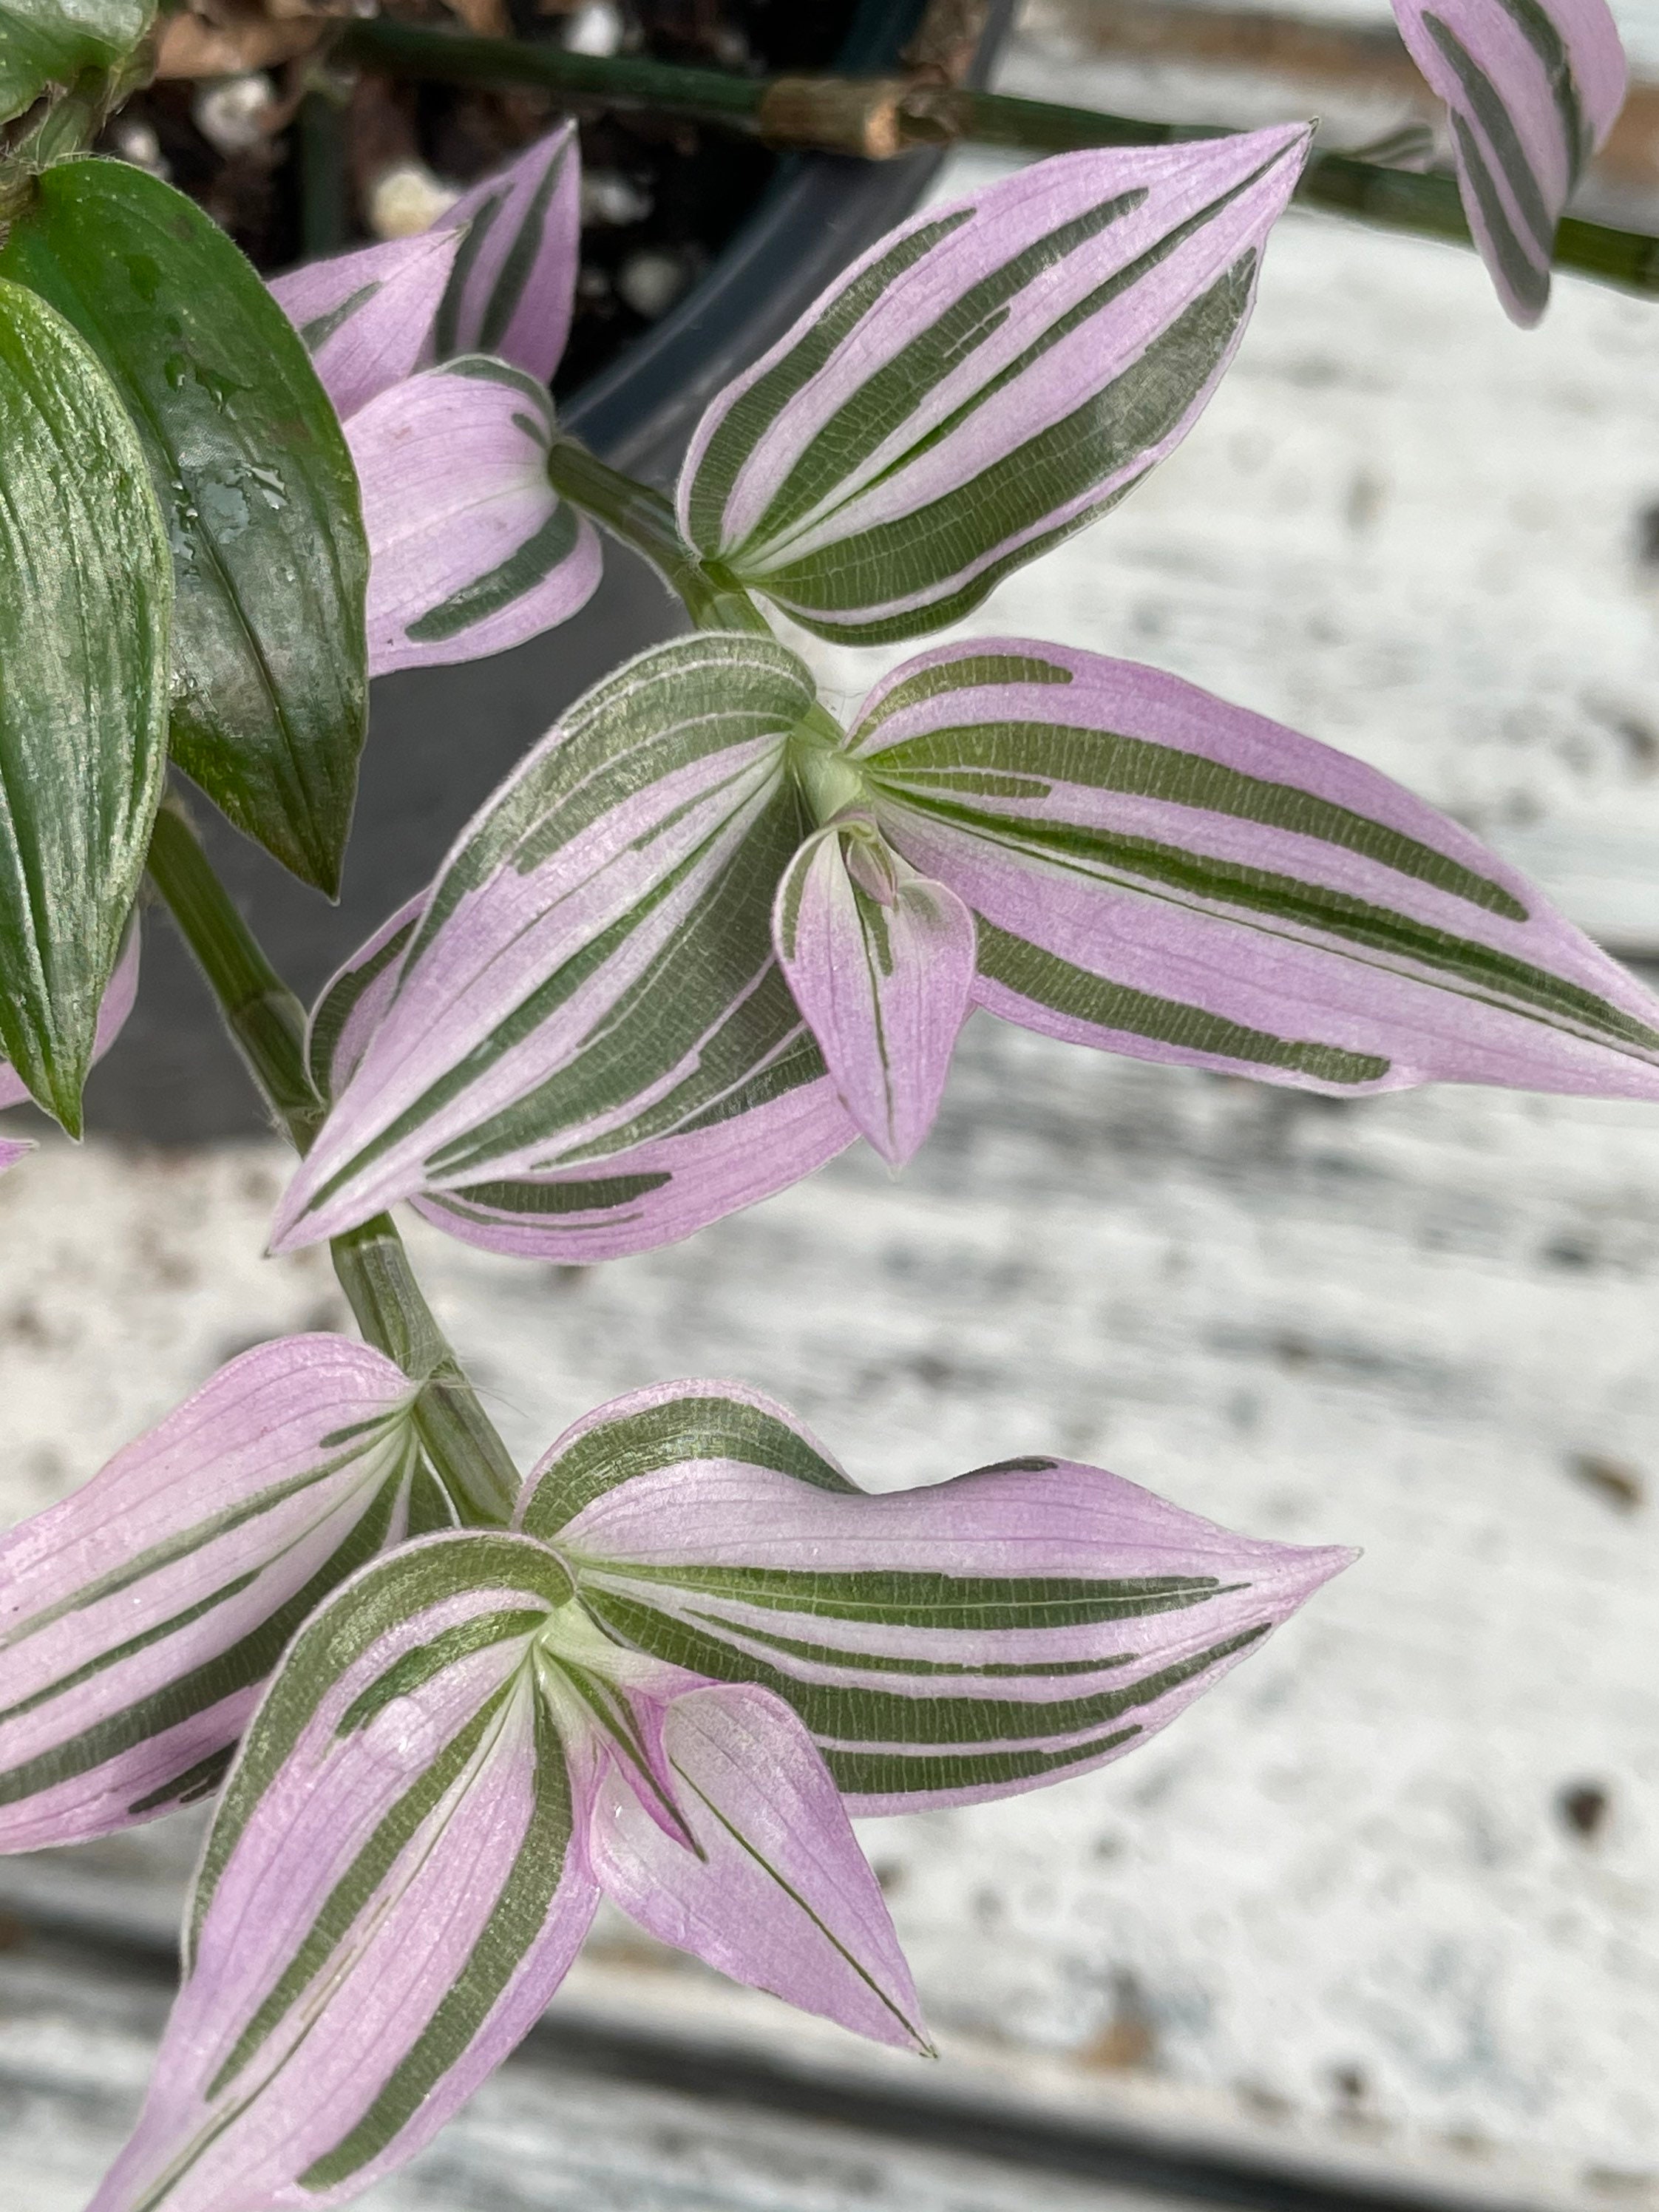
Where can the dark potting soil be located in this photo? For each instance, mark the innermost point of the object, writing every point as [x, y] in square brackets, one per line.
[661, 196]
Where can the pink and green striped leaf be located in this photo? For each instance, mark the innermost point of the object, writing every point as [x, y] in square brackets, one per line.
[768, 1131]
[968, 1641]
[992, 376]
[391, 1890]
[514, 282]
[450, 1762]
[470, 548]
[365, 318]
[1155, 872]
[140, 1616]
[589, 1026]
[774, 1890]
[1533, 87]
[881, 962]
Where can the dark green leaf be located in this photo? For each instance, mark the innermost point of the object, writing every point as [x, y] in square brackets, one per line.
[256, 487]
[86, 590]
[44, 43]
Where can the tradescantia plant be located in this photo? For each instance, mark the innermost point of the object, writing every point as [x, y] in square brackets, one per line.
[700, 940]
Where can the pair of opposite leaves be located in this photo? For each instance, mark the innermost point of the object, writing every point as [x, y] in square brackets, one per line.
[472, 551]
[697, 1640]
[702, 936]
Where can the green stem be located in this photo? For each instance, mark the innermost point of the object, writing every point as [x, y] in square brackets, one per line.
[267, 1023]
[644, 519]
[878, 116]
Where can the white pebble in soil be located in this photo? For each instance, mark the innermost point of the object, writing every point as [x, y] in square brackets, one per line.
[612, 200]
[233, 113]
[407, 199]
[595, 29]
[651, 281]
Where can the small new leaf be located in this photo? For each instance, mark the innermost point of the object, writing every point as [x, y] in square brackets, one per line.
[86, 595]
[255, 483]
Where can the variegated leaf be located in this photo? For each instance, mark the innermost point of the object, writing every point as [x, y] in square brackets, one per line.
[774, 1890]
[515, 278]
[139, 1617]
[1157, 872]
[593, 974]
[353, 1000]
[765, 1133]
[113, 1008]
[389, 1897]
[470, 548]
[367, 317]
[943, 1645]
[1532, 87]
[451, 1759]
[992, 376]
[881, 962]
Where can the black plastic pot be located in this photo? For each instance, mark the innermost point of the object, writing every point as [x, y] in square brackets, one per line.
[441, 739]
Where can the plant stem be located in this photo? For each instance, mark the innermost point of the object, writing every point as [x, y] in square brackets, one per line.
[877, 118]
[267, 1024]
[644, 519]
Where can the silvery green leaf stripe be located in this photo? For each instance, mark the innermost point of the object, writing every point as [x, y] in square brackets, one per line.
[472, 550]
[139, 1617]
[365, 318]
[1534, 88]
[673, 1425]
[987, 379]
[451, 1763]
[1157, 872]
[773, 1117]
[389, 1894]
[781, 1124]
[352, 1002]
[513, 284]
[941, 1646]
[592, 969]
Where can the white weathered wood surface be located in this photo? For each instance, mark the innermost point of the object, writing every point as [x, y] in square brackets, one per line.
[1341, 1903]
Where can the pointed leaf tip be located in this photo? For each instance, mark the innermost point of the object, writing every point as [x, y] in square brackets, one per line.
[365, 318]
[778, 1893]
[514, 282]
[269, 704]
[967, 1641]
[1157, 872]
[86, 606]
